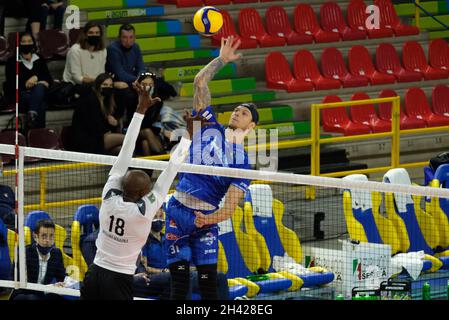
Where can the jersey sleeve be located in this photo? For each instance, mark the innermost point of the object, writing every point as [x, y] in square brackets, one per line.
[242, 184]
[209, 115]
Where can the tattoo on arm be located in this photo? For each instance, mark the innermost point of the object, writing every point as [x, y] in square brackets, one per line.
[202, 96]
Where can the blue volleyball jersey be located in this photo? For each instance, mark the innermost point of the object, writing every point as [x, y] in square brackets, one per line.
[213, 150]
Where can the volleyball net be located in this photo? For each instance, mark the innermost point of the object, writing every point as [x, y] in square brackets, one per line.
[291, 236]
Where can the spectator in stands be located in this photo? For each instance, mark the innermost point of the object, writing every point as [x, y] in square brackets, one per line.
[38, 11]
[44, 263]
[125, 62]
[94, 126]
[34, 81]
[86, 59]
[52, 7]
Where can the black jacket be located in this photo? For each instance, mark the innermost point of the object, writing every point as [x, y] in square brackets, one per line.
[40, 69]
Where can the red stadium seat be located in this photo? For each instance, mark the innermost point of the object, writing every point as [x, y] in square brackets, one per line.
[216, 2]
[189, 3]
[44, 138]
[390, 18]
[439, 54]
[415, 59]
[306, 23]
[279, 76]
[334, 67]
[405, 121]
[337, 120]
[332, 20]
[9, 137]
[440, 100]
[251, 26]
[278, 24]
[228, 29]
[387, 61]
[356, 16]
[416, 106]
[305, 68]
[243, 1]
[53, 43]
[360, 63]
[366, 114]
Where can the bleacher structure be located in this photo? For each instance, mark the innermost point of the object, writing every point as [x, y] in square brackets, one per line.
[294, 55]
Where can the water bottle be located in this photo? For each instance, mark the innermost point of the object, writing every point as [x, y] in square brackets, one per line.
[341, 297]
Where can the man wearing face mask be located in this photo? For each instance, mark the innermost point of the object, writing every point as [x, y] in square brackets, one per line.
[43, 262]
[34, 81]
[125, 62]
[86, 59]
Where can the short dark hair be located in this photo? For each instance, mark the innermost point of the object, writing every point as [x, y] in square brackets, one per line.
[26, 33]
[44, 223]
[126, 27]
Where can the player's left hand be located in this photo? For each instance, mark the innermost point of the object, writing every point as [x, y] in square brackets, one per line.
[145, 99]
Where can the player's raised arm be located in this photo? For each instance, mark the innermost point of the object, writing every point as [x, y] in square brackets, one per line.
[124, 158]
[201, 93]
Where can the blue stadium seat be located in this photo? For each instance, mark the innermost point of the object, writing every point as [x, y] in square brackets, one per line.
[242, 257]
[263, 221]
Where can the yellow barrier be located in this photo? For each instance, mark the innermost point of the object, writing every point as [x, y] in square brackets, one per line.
[315, 141]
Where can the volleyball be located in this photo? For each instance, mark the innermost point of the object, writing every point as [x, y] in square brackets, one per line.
[208, 21]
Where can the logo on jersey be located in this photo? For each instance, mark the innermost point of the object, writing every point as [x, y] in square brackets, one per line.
[151, 198]
[171, 236]
[172, 223]
[208, 238]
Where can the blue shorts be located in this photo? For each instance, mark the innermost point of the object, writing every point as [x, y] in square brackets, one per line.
[184, 241]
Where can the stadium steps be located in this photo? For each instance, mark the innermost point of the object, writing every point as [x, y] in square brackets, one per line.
[217, 87]
[279, 113]
[188, 73]
[149, 29]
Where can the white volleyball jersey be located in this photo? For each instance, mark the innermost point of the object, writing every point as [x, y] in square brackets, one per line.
[125, 226]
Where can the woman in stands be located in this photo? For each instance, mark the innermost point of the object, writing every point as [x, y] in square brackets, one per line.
[34, 80]
[86, 59]
[94, 127]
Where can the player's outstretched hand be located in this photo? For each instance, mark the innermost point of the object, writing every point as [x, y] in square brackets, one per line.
[228, 49]
[194, 123]
[145, 99]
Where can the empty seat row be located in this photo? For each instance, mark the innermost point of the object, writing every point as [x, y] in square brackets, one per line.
[362, 71]
[44, 138]
[364, 118]
[200, 3]
[278, 30]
